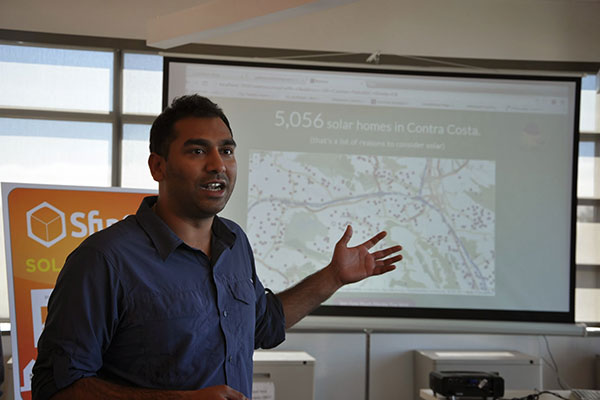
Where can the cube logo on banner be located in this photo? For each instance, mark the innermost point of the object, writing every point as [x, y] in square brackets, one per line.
[46, 224]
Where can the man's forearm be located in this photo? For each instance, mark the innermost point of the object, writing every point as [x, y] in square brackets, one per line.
[95, 388]
[306, 296]
[98, 389]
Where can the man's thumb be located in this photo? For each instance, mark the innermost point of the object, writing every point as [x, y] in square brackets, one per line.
[346, 236]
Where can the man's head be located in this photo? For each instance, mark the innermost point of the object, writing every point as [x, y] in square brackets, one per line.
[193, 159]
[163, 132]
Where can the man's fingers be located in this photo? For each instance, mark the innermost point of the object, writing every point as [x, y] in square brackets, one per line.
[383, 269]
[386, 252]
[374, 240]
[388, 261]
[346, 236]
[233, 394]
[221, 392]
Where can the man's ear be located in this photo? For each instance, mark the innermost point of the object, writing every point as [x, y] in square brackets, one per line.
[157, 164]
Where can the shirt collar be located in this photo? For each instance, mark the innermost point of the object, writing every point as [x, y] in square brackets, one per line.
[165, 240]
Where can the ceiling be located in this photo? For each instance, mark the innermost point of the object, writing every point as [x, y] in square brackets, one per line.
[559, 31]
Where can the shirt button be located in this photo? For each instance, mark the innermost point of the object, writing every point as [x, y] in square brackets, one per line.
[225, 313]
[230, 359]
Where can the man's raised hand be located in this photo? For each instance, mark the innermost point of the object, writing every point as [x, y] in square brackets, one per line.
[353, 264]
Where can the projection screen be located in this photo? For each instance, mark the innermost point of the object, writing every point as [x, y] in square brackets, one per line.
[473, 174]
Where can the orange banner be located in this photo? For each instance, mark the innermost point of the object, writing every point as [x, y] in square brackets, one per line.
[44, 225]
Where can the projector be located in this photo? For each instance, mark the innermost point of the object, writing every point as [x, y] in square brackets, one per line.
[466, 384]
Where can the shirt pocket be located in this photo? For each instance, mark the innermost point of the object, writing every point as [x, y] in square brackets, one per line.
[241, 320]
[169, 320]
[243, 290]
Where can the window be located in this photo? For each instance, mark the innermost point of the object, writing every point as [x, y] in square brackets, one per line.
[59, 121]
[587, 293]
[142, 84]
[55, 152]
[589, 105]
[134, 170]
[142, 97]
[55, 79]
[586, 168]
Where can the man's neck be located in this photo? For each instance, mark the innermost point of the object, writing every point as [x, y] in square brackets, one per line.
[195, 233]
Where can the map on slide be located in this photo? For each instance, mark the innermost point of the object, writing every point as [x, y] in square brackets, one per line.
[442, 211]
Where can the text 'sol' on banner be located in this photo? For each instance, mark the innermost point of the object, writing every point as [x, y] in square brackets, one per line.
[42, 225]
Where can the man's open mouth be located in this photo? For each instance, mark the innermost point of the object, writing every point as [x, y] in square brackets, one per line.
[213, 186]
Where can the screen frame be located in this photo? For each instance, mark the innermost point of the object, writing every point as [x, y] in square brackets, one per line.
[421, 312]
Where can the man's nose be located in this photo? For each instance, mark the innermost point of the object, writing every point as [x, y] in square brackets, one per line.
[214, 161]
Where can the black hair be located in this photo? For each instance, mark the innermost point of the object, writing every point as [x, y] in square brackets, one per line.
[162, 131]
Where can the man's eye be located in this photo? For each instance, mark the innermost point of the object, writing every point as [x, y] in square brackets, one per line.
[228, 151]
[198, 151]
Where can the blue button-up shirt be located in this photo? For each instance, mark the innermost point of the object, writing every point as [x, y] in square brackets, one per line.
[137, 306]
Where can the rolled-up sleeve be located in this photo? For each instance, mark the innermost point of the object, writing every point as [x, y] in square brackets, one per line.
[82, 316]
[270, 320]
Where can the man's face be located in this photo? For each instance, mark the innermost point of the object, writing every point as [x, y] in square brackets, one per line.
[200, 171]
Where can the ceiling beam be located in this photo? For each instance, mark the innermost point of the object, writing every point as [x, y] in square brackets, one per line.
[217, 17]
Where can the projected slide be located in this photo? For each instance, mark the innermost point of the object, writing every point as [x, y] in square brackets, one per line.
[471, 174]
[441, 209]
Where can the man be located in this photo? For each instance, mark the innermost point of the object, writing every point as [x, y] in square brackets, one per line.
[166, 304]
